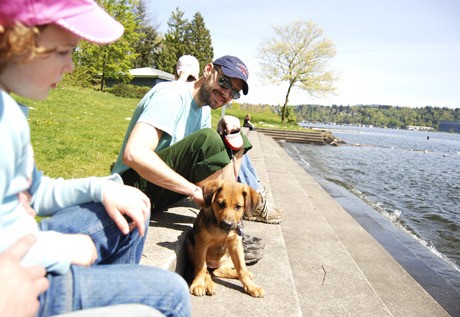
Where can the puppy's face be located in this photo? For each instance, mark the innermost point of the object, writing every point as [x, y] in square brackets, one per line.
[229, 200]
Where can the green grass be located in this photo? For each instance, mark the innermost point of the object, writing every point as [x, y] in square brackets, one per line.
[260, 116]
[77, 132]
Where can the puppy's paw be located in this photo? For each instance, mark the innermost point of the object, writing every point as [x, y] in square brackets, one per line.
[202, 288]
[255, 291]
[197, 289]
[210, 287]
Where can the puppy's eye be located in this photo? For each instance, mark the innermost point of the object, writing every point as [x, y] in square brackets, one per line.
[222, 204]
[238, 207]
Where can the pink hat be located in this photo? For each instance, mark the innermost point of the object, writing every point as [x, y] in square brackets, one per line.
[85, 18]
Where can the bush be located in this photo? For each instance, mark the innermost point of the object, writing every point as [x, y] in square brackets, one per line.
[128, 91]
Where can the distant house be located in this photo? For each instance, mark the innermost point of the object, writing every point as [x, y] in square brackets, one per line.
[449, 126]
[145, 76]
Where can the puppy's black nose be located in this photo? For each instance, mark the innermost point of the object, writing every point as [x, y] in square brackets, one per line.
[227, 225]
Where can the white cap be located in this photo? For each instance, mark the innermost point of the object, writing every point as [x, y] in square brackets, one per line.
[188, 65]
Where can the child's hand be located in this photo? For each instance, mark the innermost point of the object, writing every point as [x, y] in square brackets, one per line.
[81, 249]
[120, 200]
[25, 198]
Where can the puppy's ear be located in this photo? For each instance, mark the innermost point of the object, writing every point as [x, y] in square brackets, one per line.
[209, 189]
[252, 200]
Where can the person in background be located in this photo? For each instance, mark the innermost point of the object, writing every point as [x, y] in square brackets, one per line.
[91, 238]
[187, 68]
[267, 212]
[247, 122]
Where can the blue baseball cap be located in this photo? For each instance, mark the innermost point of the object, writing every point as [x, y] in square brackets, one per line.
[233, 67]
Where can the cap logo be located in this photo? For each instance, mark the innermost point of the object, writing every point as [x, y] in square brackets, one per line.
[242, 69]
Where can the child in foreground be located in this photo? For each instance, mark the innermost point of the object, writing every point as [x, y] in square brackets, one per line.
[92, 240]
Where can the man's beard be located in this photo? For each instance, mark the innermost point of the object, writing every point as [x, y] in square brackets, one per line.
[205, 94]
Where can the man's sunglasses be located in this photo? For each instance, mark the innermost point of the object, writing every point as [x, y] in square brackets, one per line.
[226, 83]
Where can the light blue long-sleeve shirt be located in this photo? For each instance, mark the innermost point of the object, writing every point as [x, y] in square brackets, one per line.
[18, 174]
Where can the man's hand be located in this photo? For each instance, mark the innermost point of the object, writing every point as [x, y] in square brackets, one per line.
[20, 286]
[120, 200]
[228, 124]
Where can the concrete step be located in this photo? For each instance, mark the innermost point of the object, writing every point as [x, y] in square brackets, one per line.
[339, 268]
[297, 136]
[431, 272]
[272, 272]
[318, 262]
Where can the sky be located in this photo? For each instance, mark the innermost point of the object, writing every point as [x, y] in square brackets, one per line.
[389, 52]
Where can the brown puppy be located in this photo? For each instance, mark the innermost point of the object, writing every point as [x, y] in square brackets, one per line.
[215, 241]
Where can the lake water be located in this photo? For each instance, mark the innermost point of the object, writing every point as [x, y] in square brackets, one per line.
[411, 177]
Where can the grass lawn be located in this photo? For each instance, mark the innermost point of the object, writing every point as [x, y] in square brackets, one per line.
[78, 132]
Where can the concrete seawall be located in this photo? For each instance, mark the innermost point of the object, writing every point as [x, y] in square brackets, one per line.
[319, 262]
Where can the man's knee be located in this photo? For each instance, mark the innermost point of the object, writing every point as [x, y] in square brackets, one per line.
[208, 135]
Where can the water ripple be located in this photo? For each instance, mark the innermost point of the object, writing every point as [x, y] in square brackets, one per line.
[413, 181]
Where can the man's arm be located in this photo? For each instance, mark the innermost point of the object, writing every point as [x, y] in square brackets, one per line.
[140, 155]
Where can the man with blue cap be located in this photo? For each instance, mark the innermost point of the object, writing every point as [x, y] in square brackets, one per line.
[169, 149]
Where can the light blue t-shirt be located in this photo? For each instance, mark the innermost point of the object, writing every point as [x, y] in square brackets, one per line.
[19, 174]
[168, 107]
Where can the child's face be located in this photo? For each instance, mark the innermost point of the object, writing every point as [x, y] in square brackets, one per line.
[34, 79]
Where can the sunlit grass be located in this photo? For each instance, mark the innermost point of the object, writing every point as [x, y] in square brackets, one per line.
[78, 132]
[260, 117]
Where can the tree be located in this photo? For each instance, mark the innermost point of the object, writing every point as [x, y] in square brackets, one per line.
[95, 63]
[199, 41]
[174, 43]
[185, 38]
[290, 116]
[299, 54]
[147, 45]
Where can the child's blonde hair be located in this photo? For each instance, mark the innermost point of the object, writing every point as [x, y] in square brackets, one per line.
[18, 40]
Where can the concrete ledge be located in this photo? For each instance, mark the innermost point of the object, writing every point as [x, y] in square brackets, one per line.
[165, 244]
[297, 136]
[318, 262]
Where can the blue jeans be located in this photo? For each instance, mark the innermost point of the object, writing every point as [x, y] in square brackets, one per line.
[247, 174]
[122, 310]
[116, 277]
